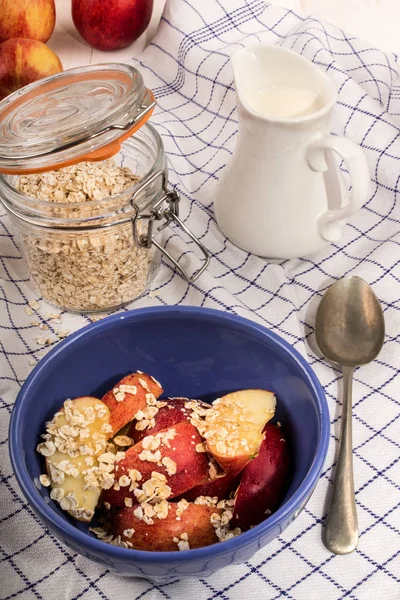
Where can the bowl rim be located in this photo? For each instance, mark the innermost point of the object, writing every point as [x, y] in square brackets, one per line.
[295, 504]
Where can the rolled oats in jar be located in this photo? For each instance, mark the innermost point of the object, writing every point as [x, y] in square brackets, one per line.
[83, 194]
[91, 270]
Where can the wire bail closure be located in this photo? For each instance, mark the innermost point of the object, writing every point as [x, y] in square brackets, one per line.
[166, 215]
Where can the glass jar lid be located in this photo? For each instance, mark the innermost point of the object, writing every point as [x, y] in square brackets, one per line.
[80, 114]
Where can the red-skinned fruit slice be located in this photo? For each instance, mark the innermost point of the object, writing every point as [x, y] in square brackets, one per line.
[133, 393]
[174, 411]
[192, 528]
[234, 425]
[264, 481]
[177, 453]
[220, 487]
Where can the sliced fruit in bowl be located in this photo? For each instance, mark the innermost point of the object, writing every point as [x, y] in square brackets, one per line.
[233, 427]
[170, 452]
[209, 466]
[135, 392]
[177, 530]
[264, 480]
[73, 444]
[170, 412]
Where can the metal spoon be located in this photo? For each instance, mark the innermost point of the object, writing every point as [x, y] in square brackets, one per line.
[350, 330]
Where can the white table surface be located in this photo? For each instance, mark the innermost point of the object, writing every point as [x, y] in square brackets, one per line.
[376, 21]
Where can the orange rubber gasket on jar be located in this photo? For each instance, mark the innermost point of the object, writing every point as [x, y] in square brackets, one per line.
[107, 151]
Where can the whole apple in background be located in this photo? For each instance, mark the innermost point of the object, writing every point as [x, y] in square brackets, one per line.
[24, 61]
[111, 24]
[30, 19]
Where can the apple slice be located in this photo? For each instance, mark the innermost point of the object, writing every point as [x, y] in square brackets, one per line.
[75, 439]
[177, 529]
[135, 395]
[220, 488]
[177, 454]
[264, 481]
[233, 427]
[172, 412]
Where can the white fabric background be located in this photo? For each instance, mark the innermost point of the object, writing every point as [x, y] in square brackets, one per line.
[187, 66]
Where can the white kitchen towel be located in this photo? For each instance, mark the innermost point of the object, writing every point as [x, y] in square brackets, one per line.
[187, 66]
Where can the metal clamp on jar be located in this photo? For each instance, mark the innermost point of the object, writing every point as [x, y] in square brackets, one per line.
[84, 180]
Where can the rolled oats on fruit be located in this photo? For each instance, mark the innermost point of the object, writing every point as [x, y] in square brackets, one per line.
[165, 504]
[86, 270]
[123, 441]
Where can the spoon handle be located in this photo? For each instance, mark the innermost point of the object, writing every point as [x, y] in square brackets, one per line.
[341, 530]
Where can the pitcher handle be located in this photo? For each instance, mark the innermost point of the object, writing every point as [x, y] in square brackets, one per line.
[329, 222]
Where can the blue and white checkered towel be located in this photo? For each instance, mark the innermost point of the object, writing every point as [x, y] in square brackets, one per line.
[187, 66]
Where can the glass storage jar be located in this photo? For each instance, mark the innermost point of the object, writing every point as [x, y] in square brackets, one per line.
[100, 254]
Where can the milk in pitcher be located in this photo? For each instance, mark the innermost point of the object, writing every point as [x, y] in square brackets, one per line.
[284, 101]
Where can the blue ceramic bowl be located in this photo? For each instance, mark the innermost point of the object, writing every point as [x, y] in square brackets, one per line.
[193, 352]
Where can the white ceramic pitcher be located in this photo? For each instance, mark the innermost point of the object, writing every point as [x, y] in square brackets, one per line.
[282, 194]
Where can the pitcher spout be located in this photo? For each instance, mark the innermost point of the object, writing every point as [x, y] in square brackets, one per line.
[275, 84]
[247, 75]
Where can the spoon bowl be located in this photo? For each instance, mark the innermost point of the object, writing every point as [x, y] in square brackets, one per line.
[350, 327]
[350, 330]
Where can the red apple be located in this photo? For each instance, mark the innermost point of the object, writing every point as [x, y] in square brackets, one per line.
[111, 24]
[264, 481]
[24, 61]
[30, 19]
